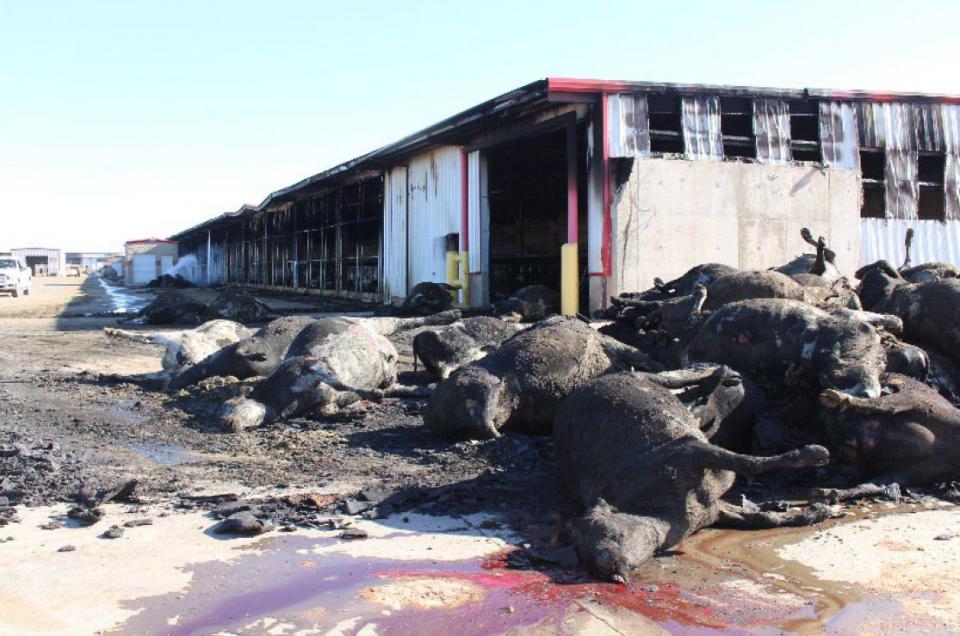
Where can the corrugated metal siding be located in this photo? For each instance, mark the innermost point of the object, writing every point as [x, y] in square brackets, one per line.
[627, 125]
[475, 206]
[771, 125]
[594, 202]
[838, 134]
[701, 128]
[395, 232]
[950, 120]
[932, 241]
[900, 175]
[56, 259]
[217, 266]
[433, 211]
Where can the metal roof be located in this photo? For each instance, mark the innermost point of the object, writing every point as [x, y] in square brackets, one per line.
[542, 92]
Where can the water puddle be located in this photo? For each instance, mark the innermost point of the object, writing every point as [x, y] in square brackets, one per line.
[122, 302]
[166, 454]
[721, 582]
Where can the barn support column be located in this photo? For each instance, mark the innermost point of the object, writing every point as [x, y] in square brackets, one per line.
[569, 261]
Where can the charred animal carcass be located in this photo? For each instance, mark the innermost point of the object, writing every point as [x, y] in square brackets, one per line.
[174, 307]
[521, 384]
[924, 272]
[443, 351]
[185, 348]
[529, 304]
[331, 363]
[424, 299]
[821, 263]
[634, 458]
[910, 435]
[257, 355]
[930, 310]
[234, 303]
[784, 340]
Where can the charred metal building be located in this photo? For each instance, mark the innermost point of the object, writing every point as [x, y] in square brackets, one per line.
[607, 184]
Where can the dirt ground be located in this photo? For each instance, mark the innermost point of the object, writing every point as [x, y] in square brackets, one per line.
[459, 534]
[59, 383]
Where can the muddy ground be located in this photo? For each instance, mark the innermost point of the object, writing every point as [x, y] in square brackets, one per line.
[62, 382]
[462, 536]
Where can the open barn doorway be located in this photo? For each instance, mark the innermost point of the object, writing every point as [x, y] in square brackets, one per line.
[527, 197]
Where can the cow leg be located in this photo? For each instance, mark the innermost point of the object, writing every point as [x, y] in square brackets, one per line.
[629, 357]
[739, 518]
[833, 399]
[882, 489]
[717, 458]
[390, 326]
[612, 544]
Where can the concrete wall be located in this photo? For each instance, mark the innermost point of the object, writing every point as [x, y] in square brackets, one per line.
[671, 215]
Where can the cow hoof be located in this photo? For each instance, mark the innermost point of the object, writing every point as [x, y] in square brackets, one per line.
[833, 399]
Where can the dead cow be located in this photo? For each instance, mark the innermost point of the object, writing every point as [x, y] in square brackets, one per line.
[443, 351]
[257, 355]
[188, 347]
[925, 271]
[780, 338]
[424, 299]
[930, 310]
[235, 303]
[174, 307]
[521, 384]
[331, 363]
[909, 436]
[697, 276]
[531, 303]
[631, 454]
[822, 263]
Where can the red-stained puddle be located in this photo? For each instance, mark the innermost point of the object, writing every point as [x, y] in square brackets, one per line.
[878, 573]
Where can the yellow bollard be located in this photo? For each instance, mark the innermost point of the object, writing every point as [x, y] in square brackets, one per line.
[569, 289]
[465, 279]
[458, 278]
[453, 274]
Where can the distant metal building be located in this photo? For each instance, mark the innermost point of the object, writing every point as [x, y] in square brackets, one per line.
[626, 180]
[89, 262]
[44, 261]
[145, 259]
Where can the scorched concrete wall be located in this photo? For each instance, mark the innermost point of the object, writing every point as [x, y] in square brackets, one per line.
[672, 214]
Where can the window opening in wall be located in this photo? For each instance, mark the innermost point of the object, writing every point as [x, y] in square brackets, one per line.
[931, 203]
[736, 126]
[873, 175]
[805, 130]
[666, 127]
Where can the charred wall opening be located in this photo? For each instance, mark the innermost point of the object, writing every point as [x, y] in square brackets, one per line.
[527, 190]
[329, 241]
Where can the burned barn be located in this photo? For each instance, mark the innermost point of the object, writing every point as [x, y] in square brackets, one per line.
[596, 187]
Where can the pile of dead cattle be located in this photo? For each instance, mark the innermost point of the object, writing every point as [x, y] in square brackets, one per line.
[174, 307]
[657, 407]
[166, 281]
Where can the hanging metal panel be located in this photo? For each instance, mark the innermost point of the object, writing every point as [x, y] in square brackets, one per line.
[928, 119]
[628, 123]
[771, 125]
[887, 125]
[900, 174]
[838, 134]
[701, 128]
[395, 232]
[433, 211]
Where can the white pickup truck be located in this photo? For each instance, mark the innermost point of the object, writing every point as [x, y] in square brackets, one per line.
[15, 277]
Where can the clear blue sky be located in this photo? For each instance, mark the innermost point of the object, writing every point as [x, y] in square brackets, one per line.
[128, 119]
